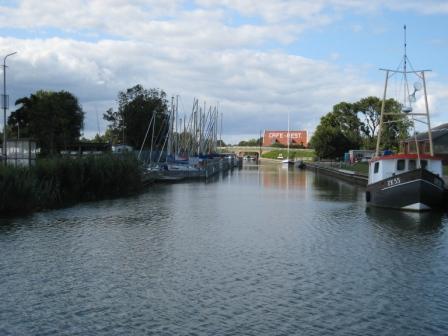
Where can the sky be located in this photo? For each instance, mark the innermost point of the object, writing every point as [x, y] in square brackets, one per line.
[258, 60]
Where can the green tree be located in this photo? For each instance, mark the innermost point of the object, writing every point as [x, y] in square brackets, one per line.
[344, 118]
[96, 139]
[395, 128]
[19, 120]
[53, 119]
[136, 107]
[329, 142]
[369, 110]
[355, 125]
[251, 142]
[338, 132]
[100, 138]
[220, 143]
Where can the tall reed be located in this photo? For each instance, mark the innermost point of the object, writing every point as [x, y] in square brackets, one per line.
[56, 182]
[17, 190]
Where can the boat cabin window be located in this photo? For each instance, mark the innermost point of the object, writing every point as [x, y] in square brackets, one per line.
[400, 165]
[412, 165]
[376, 167]
[424, 164]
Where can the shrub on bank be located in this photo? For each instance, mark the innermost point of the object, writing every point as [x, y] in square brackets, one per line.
[56, 182]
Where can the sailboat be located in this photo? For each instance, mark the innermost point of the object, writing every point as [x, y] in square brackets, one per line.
[288, 161]
[406, 181]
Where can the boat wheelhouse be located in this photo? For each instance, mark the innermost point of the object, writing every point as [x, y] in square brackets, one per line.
[405, 181]
[388, 166]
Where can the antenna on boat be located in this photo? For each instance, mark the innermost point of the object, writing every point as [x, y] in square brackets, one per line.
[405, 45]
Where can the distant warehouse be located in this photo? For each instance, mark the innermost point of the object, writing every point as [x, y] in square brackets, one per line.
[296, 138]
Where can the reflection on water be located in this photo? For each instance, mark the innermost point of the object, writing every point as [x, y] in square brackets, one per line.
[332, 189]
[279, 176]
[396, 220]
[259, 251]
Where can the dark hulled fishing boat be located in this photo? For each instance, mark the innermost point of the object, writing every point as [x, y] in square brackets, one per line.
[407, 181]
[396, 182]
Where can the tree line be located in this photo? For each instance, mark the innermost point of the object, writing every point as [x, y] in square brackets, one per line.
[355, 126]
[55, 120]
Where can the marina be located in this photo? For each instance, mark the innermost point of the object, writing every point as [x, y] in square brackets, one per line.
[263, 249]
[207, 169]
[188, 147]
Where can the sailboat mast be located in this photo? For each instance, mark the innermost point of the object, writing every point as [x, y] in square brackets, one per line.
[220, 132]
[170, 129]
[176, 144]
[146, 135]
[288, 136]
[152, 136]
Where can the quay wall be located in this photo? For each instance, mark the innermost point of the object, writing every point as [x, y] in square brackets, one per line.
[342, 174]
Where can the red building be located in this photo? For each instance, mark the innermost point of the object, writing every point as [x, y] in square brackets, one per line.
[281, 137]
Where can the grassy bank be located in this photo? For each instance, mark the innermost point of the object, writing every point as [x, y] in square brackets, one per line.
[293, 153]
[58, 182]
[360, 167]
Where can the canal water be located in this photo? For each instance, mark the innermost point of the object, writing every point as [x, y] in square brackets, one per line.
[260, 251]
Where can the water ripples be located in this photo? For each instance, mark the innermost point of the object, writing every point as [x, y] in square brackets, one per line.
[260, 252]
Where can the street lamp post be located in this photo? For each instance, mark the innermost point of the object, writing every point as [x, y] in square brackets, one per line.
[5, 105]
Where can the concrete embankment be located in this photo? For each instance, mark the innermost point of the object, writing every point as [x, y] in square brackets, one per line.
[343, 174]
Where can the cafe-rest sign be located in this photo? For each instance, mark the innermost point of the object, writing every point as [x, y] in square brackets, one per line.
[296, 137]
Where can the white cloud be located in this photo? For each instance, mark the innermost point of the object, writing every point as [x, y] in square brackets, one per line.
[271, 11]
[244, 82]
[120, 16]
[423, 7]
[197, 50]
